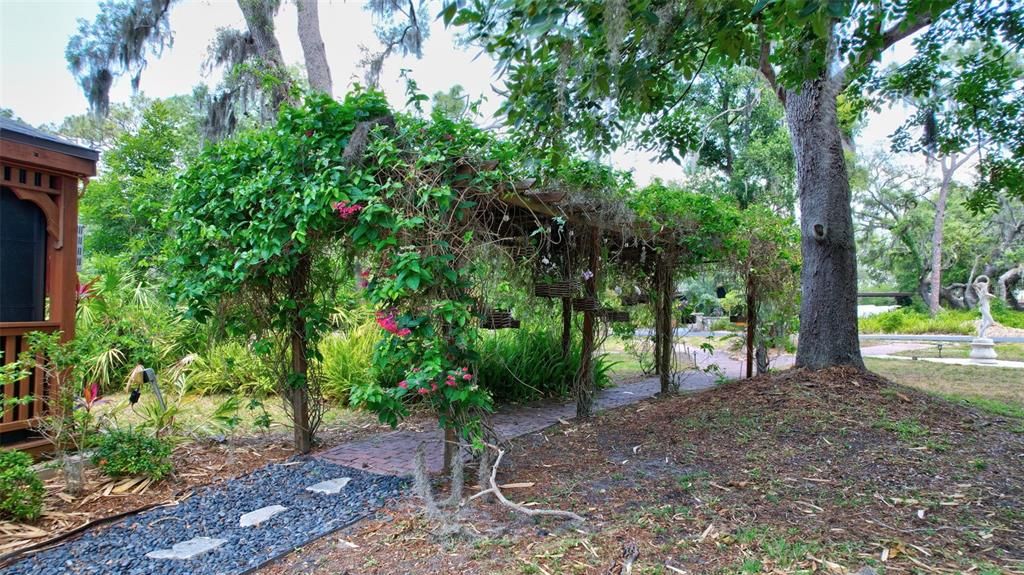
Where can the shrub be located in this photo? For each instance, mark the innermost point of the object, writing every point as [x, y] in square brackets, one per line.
[123, 452]
[912, 321]
[21, 490]
[527, 364]
[230, 367]
[347, 359]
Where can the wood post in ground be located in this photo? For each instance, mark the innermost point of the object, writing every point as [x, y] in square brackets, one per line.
[585, 377]
[299, 391]
[566, 326]
[451, 450]
[663, 336]
[751, 323]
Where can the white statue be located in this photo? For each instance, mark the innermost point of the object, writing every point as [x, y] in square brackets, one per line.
[984, 297]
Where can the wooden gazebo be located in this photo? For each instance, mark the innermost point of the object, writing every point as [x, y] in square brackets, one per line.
[40, 179]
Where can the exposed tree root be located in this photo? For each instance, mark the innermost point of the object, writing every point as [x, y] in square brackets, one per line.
[496, 491]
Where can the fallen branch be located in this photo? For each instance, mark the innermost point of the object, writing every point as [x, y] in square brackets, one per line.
[496, 491]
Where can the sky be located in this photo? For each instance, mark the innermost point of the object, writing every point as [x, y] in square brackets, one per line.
[36, 83]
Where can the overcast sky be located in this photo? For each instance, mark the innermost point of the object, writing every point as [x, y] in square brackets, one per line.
[36, 84]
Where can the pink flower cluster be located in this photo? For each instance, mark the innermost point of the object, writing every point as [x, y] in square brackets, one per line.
[364, 279]
[346, 211]
[451, 380]
[388, 323]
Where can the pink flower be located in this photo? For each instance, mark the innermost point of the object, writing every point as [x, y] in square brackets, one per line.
[346, 211]
[415, 370]
[423, 391]
[451, 382]
[403, 384]
[433, 387]
[467, 376]
[387, 322]
[403, 332]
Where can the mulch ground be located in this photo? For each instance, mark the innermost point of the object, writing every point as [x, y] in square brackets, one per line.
[795, 473]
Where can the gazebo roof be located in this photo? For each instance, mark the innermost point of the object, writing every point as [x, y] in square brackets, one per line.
[15, 131]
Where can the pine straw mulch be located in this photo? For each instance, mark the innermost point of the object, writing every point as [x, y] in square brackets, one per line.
[799, 472]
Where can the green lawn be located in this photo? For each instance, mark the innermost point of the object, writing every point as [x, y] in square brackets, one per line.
[994, 389]
[1007, 351]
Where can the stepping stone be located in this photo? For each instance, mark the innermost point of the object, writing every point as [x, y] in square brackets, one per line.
[253, 518]
[330, 487]
[187, 549]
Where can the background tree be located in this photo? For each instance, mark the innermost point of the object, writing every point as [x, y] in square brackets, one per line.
[963, 97]
[127, 32]
[583, 74]
[126, 210]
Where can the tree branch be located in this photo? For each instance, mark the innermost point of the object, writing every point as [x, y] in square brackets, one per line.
[898, 31]
[765, 66]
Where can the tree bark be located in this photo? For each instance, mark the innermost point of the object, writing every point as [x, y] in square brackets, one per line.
[1005, 286]
[317, 69]
[828, 307]
[937, 231]
[259, 18]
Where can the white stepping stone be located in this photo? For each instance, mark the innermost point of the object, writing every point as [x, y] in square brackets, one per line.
[330, 487]
[187, 549]
[253, 518]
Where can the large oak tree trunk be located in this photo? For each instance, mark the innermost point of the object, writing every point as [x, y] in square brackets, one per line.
[317, 70]
[259, 18]
[828, 308]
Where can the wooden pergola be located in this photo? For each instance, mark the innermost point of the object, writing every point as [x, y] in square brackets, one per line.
[40, 180]
[602, 226]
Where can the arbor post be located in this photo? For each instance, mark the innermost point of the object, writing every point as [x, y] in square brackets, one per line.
[566, 327]
[585, 377]
[663, 336]
[751, 321]
[299, 389]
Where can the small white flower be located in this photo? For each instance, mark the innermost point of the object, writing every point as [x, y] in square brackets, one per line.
[588, 274]
[545, 261]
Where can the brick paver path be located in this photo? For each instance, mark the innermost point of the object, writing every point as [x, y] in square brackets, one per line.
[392, 452]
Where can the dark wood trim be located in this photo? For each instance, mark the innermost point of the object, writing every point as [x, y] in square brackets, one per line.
[44, 159]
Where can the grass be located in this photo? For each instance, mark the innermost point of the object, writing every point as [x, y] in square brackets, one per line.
[1005, 351]
[196, 413]
[992, 389]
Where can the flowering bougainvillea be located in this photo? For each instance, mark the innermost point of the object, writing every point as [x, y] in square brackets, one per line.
[346, 211]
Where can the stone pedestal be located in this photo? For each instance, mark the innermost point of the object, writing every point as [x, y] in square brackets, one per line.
[983, 350]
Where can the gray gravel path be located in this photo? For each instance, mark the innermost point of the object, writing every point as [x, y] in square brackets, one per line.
[214, 512]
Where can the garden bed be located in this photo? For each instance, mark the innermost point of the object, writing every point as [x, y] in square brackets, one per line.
[245, 522]
[800, 472]
[196, 464]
